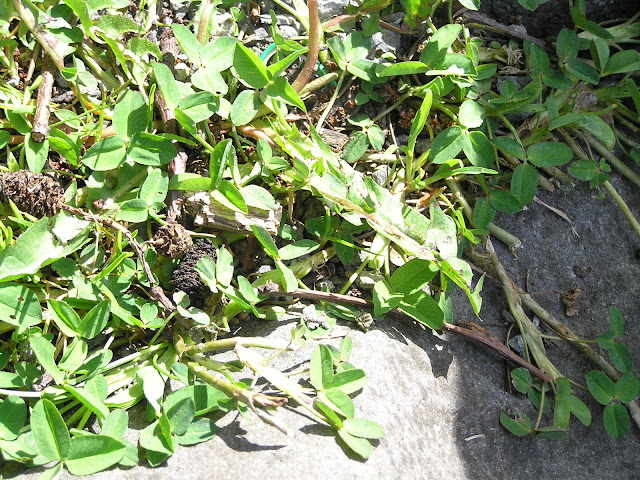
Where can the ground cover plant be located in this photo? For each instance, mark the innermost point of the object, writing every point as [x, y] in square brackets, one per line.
[166, 176]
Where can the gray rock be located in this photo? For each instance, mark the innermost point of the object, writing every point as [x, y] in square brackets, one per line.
[551, 17]
[386, 41]
[331, 8]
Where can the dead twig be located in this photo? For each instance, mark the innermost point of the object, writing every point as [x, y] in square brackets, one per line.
[156, 290]
[41, 127]
[472, 335]
[314, 46]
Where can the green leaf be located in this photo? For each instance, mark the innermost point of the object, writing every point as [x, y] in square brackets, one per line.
[297, 249]
[230, 193]
[439, 44]
[583, 71]
[245, 107]
[376, 137]
[413, 276]
[539, 59]
[580, 410]
[114, 26]
[106, 154]
[93, 453]
[287, 278]
[210, 80]
[188, 42]
[633, 92]
[149, 149]
[616, 420]
[360, 446]
[207, 270]
[349, 381]
[158, 445]
[180, 415]
[621, 357]
[115, 424]
[19, 306]
[616, 322]
[223, 155]
[250, 68]
[167, 84]
[44, 353]
[622, 62]
[13, 413]
[605, 340]
[584, 169]
[41, 245]
[600, 53]
[95, 320]
[218, 54]
[447, 145]
[471, 114]
[423, 308]
[479, 149]
[338, 401]
[224, 267]
[522, 380]
[555, 432]
[90, 399]
[155, 186]
[384, 299]
[36, 153]
[555, 79]
[321, 368]
[504, 202]
[356, 147]
[280, 89]
[567, 45]
[510, 146]
[519, 427]
[588, 26]
[130, 115]
[524, 183]
[561, 412]
[471, 4]
[403, 68]
[266, 240]
[483, 213]
[152, 386]
[199, 106]
[49, 431]
[549, 154]
[201, 430]
[627, 388]
[601, 387]
[362, 428]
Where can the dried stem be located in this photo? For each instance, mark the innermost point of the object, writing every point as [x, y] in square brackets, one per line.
[472, 335]
[41, 118]
[233, 391]
[156, 291]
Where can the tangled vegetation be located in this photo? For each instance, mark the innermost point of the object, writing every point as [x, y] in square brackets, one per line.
[164, 178]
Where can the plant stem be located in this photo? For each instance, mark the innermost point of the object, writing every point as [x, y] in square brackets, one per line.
[612, 159]
[233, 391]
[623, 206]
[229, 343]
[511, 241]
[314, 47]
[331, 102]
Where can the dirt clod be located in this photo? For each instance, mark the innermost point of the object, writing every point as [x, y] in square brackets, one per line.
[187, 279]
[172, 240]
[34, 193]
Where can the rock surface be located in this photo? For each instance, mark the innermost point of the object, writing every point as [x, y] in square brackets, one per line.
[551, 17]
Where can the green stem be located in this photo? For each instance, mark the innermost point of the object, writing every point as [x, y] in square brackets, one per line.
[628, 214]
[511, 241]
[612, 159]
[229, 343]
[331, 102]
